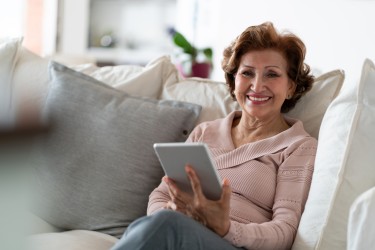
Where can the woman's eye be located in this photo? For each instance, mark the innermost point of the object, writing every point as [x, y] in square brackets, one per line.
[247, 73]
[272, 75]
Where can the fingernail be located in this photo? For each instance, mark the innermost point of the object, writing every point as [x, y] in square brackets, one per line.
[188, 169]
[226, 182]
[165, 179]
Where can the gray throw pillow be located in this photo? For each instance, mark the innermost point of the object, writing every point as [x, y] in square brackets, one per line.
[96, 165]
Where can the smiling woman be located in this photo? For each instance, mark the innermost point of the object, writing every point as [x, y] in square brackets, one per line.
[265, 159]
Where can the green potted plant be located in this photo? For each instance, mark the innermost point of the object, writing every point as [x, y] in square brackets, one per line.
[192, 61]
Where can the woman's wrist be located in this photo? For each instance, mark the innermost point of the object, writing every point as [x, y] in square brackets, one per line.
[224, 229]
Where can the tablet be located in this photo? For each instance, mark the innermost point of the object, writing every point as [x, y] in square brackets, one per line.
[173, 158]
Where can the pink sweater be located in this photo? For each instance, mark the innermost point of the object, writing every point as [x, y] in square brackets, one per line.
[270, 181]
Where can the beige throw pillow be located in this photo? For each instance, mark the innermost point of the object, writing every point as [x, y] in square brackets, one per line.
[213, 96]
[312, 107]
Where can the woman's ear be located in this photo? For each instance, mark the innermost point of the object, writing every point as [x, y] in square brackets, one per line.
[292, 89]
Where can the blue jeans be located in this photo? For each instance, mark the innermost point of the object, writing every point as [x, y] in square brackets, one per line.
[170, 230]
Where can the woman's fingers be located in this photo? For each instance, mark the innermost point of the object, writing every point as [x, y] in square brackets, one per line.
[173, 190]
[170, 187]
[226, 191]
[195, 183]
[179, 199]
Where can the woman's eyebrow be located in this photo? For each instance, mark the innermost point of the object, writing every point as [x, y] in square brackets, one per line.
[246, 66]
[273, 66]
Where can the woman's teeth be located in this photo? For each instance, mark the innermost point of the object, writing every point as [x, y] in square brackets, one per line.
[258, 99]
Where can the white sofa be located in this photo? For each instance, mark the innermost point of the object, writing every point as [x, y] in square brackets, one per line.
[83, 177]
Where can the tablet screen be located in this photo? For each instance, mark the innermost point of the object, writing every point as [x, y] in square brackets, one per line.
[174, 157]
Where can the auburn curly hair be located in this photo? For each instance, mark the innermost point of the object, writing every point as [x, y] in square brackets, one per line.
[265, 36]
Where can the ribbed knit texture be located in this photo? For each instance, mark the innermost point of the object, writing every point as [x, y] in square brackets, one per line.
[270, 180]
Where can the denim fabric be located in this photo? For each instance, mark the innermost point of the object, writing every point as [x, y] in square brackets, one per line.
[170, 230]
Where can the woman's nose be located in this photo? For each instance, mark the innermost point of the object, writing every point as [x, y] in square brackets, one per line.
[257, 84]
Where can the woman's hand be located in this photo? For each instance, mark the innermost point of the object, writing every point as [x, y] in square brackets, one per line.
[213, 214]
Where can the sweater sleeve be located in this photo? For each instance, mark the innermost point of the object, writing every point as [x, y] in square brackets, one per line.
[293, 183]
[158, 199]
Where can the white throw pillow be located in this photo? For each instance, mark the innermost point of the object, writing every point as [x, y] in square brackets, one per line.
[9, 51]
[136, 80]
[312, 107]
[344, 165]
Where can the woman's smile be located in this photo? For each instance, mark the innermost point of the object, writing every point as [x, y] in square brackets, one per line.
[258, 99]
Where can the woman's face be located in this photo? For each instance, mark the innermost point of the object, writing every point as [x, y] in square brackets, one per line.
[262, 83]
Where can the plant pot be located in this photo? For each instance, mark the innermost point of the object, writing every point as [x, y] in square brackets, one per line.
[202, 70]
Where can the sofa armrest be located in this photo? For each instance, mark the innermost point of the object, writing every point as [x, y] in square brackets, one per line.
[361, 228]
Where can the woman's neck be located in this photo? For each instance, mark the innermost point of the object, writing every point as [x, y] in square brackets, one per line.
[247, 129]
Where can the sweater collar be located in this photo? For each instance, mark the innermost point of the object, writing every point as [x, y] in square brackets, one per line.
[223, 150]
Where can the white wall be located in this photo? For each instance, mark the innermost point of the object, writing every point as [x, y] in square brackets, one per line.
[12, 18]
[13, 21]
[140, 29]
[337, 33]
[50, 17]
[73, 30]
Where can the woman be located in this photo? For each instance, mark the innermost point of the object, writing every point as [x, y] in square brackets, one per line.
[264, 158]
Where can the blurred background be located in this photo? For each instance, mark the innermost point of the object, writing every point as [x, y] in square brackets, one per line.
[337, 33]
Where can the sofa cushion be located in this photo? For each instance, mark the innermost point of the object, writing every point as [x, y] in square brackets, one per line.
[72, 240]
[96, 165]
[344, 165]
[361, 228]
